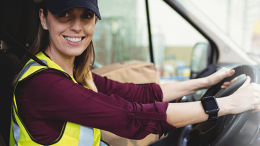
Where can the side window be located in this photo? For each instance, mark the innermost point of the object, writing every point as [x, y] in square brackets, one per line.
[173, 42]
[121, 35]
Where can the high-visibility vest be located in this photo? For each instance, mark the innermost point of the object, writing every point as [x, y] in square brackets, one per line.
[71, 135]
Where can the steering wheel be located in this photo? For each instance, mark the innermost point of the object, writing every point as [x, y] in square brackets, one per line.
[223, 131]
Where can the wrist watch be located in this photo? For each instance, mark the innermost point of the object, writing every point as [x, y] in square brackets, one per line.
[210, 106]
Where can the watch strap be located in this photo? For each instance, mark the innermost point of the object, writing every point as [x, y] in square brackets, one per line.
[213, 116]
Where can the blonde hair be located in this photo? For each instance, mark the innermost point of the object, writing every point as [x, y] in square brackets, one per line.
[82, 63]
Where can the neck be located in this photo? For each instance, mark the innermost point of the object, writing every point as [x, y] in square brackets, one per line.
[64, 61]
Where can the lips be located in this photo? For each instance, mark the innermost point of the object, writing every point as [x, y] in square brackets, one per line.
[74, 39]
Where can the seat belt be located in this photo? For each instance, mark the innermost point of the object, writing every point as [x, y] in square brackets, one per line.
[27, 52]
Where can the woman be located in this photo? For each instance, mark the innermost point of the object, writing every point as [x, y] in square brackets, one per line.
[59, 103]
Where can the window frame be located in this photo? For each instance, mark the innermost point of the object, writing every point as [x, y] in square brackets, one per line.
[214, 55]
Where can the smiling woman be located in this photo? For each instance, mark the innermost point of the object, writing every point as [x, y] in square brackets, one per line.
[67, 34]
[63, 103]
[70, 32]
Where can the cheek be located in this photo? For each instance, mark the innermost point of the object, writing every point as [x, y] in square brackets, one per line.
[55, 31]
[55, 27]
[89, 29]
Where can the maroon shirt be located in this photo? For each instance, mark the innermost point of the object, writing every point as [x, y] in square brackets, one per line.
[49, 98]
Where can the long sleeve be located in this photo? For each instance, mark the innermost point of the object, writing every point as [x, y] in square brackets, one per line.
[49, 98]
[143, 93]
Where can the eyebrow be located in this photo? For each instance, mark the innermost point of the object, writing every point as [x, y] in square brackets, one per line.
[86, 10]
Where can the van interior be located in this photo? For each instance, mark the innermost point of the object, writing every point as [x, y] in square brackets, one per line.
[138, 22]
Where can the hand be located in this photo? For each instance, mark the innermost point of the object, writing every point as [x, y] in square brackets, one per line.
[219, 76]
[247, 97]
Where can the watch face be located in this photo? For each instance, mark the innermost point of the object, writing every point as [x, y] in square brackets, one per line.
[209, 103]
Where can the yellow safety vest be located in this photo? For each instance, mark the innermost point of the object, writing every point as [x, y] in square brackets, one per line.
[72, 134]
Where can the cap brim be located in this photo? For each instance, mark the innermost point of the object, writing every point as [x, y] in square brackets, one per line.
[57, 6]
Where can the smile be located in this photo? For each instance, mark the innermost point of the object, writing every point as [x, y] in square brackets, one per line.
[74, 39]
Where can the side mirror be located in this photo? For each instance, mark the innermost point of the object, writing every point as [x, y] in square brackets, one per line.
[199, 61]
[199, 58]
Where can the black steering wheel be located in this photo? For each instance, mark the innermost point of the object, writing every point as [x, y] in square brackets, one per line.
[224, 130]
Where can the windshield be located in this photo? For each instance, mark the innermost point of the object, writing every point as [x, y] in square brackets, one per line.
[239, 20]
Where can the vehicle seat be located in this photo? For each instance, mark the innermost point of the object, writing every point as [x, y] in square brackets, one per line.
[20, 19]
[8, 65]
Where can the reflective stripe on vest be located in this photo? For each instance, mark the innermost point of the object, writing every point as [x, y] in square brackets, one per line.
[72, 134]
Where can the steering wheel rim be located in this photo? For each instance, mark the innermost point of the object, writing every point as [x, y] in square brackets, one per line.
[212, 127]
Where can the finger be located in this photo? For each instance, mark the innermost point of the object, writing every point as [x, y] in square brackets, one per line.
[231, 72]
[256, 109]
[257, 106]
[227, 73]
[247, 82]
[233, 80]
[223, 87]
[227, 83]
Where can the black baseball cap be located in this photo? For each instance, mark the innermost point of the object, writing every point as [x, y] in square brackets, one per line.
[57, 6]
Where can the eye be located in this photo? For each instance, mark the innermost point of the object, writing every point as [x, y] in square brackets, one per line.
[87, 15]
[64, 14]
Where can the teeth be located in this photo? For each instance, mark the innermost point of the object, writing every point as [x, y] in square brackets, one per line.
[73, 39]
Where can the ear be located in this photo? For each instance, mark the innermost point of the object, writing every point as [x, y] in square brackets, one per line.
[43, 19]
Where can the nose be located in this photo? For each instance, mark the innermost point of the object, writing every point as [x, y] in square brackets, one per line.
[76, 25]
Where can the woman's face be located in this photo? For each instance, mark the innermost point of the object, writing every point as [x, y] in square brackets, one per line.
[70, 31]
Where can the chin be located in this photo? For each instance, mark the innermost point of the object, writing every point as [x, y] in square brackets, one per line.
[76, 53]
